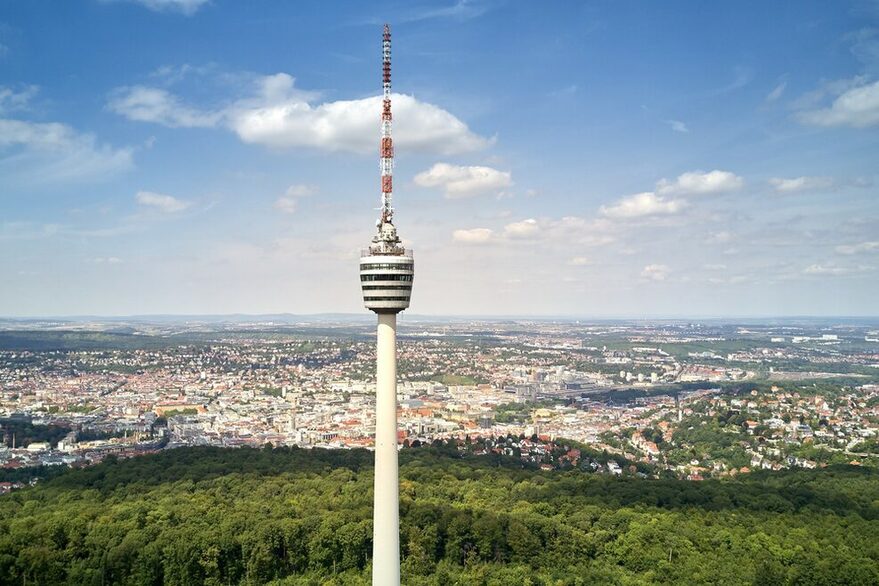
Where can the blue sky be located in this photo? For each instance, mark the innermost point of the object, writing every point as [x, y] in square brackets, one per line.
[566, 158]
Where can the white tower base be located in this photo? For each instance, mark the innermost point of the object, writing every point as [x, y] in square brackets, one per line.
[386, 511]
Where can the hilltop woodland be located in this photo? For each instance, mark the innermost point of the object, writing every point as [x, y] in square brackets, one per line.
[294, 516]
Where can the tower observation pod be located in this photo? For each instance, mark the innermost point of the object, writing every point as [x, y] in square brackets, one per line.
[386, 274]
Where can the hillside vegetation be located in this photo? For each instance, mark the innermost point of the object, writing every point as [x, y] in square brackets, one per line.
[292, 516]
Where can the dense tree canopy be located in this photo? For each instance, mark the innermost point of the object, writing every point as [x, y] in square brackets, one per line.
[293, 516]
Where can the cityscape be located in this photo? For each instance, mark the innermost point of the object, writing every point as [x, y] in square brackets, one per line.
[694, 400]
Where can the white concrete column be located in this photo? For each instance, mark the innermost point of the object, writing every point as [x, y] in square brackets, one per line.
[386, 511]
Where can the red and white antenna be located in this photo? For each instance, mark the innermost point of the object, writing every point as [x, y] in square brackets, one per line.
[387, 143]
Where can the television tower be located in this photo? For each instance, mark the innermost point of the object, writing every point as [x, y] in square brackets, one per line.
[386, 273]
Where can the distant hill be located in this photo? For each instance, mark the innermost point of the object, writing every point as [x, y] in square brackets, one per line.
[295, 516]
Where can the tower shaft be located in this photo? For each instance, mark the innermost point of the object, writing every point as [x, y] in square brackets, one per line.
[386, 511]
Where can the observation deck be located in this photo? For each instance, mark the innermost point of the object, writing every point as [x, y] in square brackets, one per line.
[386, 276]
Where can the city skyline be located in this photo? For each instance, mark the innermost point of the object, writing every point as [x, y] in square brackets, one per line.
[201, 157]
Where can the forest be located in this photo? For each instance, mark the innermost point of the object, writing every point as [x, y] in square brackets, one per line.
[297, 516]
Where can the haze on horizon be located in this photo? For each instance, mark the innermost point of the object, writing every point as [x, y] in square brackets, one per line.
[586, 159]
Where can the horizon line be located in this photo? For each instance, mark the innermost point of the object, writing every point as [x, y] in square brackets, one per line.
[635, 317]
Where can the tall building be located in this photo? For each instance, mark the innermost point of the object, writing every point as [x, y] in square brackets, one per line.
[386, 273]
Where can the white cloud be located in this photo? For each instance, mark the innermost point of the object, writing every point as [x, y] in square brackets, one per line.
[872, 246]
[289, 202]
[350, 125]
[473, 236]
[668, 197]
[287, 205]
[461, 182]
[567, 232]
[795, 184]
[27, 230]
[836, 270]
[12, 100]
[521, 230]
[146, 104]
[564, 92]
[719, 237]
[642, 205]
[857, 107]
[187, 7]
[699, 183]
[743, 77]
[677, 126]
[817, 269]
[831, 88]
[733, 280]
[776, 92]
[865, 42]
[164, 203]
[579, 261]
[460, 10]
[300, 190]
[655, 272]
[51, 152]
[280, 116]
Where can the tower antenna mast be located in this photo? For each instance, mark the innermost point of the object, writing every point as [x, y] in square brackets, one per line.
[387, 141]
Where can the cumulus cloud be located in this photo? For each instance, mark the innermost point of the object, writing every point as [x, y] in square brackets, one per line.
[187, 7]
[655, 272]
[473, 236]
[147, 104]
[872, 246]
[51, 152]
[289, 202]
[278, 115]
[699, 183]
[668, 197]
[804, 183]
[161, 202]
[857, 107]
[350, 125]
[460, 182]
[529, 228]
[642, 205]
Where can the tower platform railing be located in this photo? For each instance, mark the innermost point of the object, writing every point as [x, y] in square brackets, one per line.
[364, 252]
